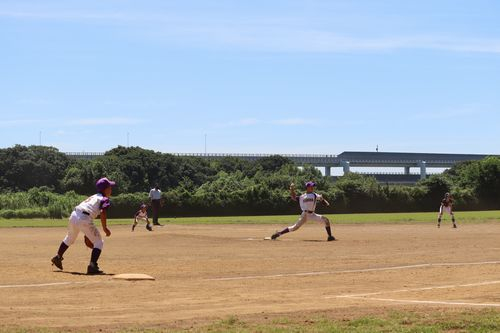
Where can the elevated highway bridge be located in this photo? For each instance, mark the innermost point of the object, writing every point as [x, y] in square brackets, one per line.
[353, 159]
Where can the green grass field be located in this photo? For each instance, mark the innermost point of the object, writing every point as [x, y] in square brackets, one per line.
[462, 217]
[402, 322]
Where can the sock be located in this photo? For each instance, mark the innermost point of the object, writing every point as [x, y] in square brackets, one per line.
[284, 231]
[95, 255]
[439, 221]
[62, 248]
[328, 230]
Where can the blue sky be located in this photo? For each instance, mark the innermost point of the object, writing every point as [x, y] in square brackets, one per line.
[316, 77]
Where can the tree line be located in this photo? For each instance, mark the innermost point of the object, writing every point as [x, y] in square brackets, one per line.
[39, 181]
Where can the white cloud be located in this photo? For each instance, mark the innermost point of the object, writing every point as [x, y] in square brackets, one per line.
[293, 122]
[452, 113]
[272, 34]
[106, 121]
[18, 122]
[247, 122]
[237, 123]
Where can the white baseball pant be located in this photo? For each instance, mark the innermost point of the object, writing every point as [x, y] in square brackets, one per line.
[444, 209]
[305, 216]
[81, 222]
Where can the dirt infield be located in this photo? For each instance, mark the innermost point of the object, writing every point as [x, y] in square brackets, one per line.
[207, 272]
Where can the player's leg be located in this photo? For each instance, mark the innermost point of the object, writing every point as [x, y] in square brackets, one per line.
[453, 218]
[135, 223]
[94, 235]
[326, 222]
[70, 238]
[302, 219]
[440, 215]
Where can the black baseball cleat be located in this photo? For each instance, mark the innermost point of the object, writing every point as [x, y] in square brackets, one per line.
[148, 227]
[57, 261]
[454, 226]
[439, 225]
[275, 235]
[330, 238]
[93, 269]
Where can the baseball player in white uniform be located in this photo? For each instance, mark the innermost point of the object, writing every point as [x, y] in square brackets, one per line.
[307, 203]
[142, 214]
[81, 219]
[446, 206]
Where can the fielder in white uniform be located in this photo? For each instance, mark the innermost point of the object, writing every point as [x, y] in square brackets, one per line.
[81, 219]
[307, 203]
[446, 206]
[142, 214]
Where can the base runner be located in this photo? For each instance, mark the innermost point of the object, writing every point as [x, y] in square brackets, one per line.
[307, 203]
[446, 206]
[81, 219]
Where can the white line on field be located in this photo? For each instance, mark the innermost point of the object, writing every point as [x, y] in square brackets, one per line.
[485, 283]
[38, 285]
[427, 302]
[376, 269]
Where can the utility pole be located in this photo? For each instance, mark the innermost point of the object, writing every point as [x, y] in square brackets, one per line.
[128, 137]
[40, 138]
[205, 144]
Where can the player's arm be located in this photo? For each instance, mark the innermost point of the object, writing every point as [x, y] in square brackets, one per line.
[323, 200]
[104, 221]
[293, 195]
[104, 214]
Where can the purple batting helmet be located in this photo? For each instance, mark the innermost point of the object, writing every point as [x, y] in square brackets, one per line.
[312, 184]
[104, 183]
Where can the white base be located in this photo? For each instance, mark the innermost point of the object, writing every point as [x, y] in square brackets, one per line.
[133, 277]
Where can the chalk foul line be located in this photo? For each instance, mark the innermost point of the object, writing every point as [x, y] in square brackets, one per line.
[413, 301]
[365, 295]
[364, 270]
[369, 296]
[38, 285]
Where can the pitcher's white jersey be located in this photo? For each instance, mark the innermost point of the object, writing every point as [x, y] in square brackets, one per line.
[93, 205]
[308, 201]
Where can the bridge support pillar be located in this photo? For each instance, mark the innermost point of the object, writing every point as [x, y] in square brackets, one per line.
[346, 166]
[423, 169]
[328, 171]
[407, 170]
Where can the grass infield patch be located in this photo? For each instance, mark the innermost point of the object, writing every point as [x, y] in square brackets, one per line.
[380, 218]
[434, 321]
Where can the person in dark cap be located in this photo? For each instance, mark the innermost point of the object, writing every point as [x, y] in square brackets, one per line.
[155, 197]
[446, 206]
[307, 202]
[142, 214]
[81, 219]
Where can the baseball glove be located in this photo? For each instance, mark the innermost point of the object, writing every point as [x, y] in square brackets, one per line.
[87, 241]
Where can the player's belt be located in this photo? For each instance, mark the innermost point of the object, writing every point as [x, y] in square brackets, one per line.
[82, 211]
[308, 211]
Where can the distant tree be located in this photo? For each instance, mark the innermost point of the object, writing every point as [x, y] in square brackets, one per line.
[22, 168]
[273, 162]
